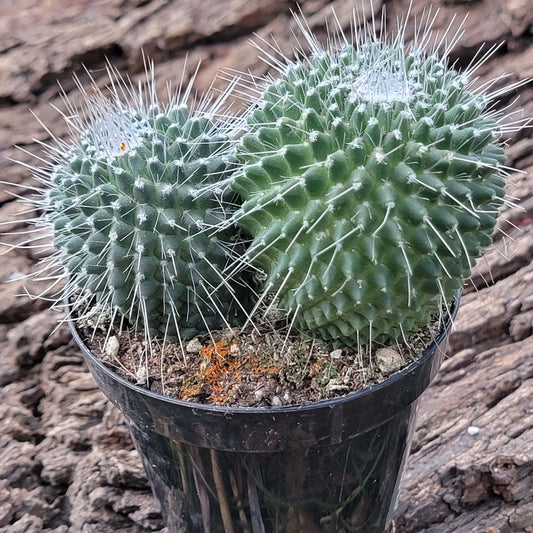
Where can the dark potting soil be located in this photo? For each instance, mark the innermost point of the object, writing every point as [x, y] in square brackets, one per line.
[260, 367]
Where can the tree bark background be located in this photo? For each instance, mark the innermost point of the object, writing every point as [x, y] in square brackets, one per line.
[66, 460]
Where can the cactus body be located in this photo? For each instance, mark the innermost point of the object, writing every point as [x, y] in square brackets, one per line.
[370, 184]
[131, 208]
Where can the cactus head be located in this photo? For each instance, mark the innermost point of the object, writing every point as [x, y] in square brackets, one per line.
[136, 215]
[371, 182]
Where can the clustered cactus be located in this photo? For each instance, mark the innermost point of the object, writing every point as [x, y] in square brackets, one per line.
[131, 207]
[371, 183]
[365, 184]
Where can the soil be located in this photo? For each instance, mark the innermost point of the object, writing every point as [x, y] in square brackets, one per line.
[267, 365]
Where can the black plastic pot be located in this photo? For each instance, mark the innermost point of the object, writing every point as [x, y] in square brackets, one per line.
[331, 466]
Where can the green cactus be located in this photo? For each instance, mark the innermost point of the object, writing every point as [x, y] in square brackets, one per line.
[135, 209]
[371, 181]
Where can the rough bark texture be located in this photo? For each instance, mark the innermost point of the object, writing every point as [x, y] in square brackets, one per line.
[66, 459]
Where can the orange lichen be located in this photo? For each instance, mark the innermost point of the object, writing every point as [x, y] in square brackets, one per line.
[221, 371]
[258, 370]
[218, 373]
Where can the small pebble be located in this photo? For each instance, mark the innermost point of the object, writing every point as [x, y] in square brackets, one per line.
[336, 354]
[389, 360]
[276, 401]
[194, 346]
[111, 346]
[472, 430]
[335, 385]
[141, 375]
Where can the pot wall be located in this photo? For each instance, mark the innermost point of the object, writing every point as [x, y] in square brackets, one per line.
[332, 466]
[348, 486]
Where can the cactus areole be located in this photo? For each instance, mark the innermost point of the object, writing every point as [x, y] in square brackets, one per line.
[131, 207]
[370, 182]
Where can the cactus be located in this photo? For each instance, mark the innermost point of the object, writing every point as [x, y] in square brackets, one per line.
[371, 181]
[133, 205]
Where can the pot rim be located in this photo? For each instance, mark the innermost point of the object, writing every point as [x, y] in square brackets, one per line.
[330, 402]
